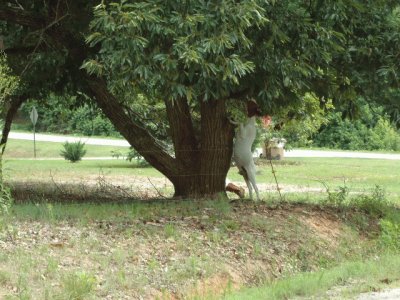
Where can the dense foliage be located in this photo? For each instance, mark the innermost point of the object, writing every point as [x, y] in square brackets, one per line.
[164, 71]
[358, 134]
[67, 114]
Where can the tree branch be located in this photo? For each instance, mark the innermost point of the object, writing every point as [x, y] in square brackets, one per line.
[11, 112]
[182, 131]
[21, 17]
[136, 135]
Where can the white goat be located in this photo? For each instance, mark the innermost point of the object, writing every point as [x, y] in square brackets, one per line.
[242, 155]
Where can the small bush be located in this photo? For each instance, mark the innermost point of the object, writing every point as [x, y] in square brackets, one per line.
[73, 151]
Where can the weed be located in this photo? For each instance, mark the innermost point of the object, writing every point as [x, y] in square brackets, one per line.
[216, 236]
[73, 151]
[23, 292]
[78, 285]
[221, 207]
[192, 267]
[153, 264]
[5, 199]
[6, 202]
[261, 223]
[5, 278]
[230, 225]
[170, 231]
[336, 198]
[374, 204]
[51, 267]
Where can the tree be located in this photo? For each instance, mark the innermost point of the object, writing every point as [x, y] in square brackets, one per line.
[197, 57]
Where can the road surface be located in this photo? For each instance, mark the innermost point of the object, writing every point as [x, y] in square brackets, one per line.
[124, 143]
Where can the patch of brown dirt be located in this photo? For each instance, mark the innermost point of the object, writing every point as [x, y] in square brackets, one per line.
[326, 226]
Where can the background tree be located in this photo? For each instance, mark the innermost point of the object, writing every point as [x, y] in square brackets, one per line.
[196, 56]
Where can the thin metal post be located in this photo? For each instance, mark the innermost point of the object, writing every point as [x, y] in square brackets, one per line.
[34, 141]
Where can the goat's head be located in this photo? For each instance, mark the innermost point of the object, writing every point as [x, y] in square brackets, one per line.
[253, 109]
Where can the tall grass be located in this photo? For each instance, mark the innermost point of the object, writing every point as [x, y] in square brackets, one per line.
[386, 268]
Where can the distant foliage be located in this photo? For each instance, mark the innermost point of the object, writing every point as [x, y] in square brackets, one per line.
[66, 114]
[90, 121]
[368, 130]
[73, 151]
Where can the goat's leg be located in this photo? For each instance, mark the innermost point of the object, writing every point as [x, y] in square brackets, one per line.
[250, 179]
[249, 187]
[244, 173]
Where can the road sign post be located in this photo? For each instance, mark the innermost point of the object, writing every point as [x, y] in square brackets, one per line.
[34, 117]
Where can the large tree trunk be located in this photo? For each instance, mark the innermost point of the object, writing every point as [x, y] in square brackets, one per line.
[205, 176]
[199, 167]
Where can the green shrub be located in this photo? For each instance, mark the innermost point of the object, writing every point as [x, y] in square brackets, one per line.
[66, 114]
[73, 151]
[371, 132]
[342, 134]
[384, 136]
[90, 121]
[390, 232]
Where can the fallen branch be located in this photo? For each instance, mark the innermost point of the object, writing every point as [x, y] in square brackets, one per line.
[158, 192]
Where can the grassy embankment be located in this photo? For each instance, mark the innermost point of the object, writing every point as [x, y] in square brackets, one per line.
[314, 244]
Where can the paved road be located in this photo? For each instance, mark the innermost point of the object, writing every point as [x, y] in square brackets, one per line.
[124, 143]
[66, 138]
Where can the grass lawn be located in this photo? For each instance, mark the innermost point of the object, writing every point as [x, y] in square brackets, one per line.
[24, 149]
[295, 175]
[197, 249]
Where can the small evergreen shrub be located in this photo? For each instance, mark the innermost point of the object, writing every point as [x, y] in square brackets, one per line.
[73, 151]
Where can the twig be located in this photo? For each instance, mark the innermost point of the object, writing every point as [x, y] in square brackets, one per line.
[158, 192]
[56, 185]
[276, 180]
